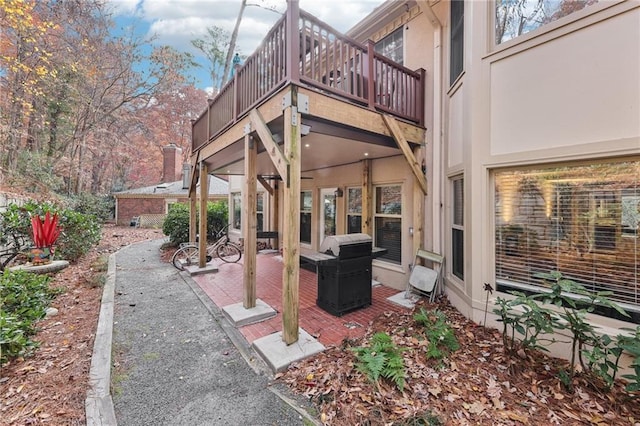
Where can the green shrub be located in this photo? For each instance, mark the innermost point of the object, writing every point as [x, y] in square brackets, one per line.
[598, 353]
[217, 216]
[102, 207]
[79, 231]
[176, 224]
[14, 232]
[575, 302]
[382, 359]
[631, 344]
[525, 316]
[24, 298]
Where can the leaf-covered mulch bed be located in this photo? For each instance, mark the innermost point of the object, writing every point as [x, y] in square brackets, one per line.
[50, 386]
[475, 385]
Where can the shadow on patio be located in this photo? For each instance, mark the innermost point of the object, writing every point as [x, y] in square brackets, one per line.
[225, 288]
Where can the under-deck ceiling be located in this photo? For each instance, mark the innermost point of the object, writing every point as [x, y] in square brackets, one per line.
[325, 145]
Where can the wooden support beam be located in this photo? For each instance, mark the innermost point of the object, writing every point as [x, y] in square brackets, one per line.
[418, 218]
[367, 193]
[291, 230]
[278, 159]
[275, 220]
[266, 185]
[392, 124]
[193, 217]
[249, 223]
[329, 108]
[193, 182]
[204, 196]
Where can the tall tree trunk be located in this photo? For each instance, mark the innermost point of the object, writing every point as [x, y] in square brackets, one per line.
[232, 46]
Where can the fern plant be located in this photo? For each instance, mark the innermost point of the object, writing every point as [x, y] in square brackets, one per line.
[442, 339]
[381, 359]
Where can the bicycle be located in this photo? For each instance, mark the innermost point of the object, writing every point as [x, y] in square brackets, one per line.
[222, 248]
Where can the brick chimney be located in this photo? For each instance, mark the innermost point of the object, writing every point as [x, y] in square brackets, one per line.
[172, 163]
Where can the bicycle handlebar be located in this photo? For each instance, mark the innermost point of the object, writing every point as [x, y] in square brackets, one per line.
[222, 231]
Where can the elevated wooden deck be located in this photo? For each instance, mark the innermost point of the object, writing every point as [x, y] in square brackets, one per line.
[304, 51]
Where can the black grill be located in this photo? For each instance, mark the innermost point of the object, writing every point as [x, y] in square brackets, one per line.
[344, 281]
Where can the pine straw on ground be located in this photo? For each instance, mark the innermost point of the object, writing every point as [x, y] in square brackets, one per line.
[50, 386]
[476, 385]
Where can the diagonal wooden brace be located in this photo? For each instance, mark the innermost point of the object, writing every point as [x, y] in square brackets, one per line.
[276, 155]
[392, 124]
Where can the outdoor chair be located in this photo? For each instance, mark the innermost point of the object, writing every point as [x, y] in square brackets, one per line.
[423, 279]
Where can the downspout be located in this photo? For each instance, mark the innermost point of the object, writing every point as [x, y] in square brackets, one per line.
[437, 152]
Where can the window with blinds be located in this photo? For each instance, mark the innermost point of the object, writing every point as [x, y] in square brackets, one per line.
[457, 228]
[236, 208]
[388, 221]
[354, 210]
[579, 220]
[306, 203]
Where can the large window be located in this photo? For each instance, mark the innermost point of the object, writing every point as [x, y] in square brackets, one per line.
[456, 53]
[579, 220]
[392, 46]
[388, 221]
[354, 210]
[457, 228]
[236, 206]
[514, 18]
[259, 212]
[305, 216]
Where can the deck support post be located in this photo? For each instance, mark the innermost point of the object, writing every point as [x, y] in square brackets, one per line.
[418, 212]
[193, 198]
[291, 229]
[249, 222]
[367, 189]
[204, 193]
[275, 199]
[193, 215]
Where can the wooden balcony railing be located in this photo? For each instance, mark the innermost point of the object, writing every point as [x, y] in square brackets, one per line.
[303, 50]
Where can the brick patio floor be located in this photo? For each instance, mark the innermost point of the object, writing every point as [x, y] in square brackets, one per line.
[225, 288]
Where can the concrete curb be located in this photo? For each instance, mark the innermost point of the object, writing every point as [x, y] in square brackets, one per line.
[99, 408]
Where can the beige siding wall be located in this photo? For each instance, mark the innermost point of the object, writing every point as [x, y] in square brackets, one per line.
[566, 91]
[389, 171]
[581, 88]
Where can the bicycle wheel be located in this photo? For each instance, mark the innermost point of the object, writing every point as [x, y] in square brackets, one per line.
[228, 252]
[185, 256]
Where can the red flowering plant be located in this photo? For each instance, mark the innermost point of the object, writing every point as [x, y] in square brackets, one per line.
[45, 232]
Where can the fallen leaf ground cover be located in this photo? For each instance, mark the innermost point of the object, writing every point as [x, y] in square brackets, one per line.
[50, 386]
[475, 385]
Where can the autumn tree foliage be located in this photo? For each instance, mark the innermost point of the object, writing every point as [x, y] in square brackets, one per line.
[82, 110]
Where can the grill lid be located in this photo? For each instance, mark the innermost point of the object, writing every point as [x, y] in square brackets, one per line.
[332, 243]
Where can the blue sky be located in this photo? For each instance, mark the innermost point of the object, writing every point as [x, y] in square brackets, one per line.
[176, 22]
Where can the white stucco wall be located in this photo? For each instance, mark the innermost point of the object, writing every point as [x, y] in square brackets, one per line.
[580, 88]
[568, 91]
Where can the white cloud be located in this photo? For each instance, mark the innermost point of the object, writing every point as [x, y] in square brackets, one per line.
[177, 22]
[124, 7]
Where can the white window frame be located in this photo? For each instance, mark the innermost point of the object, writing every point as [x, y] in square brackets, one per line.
[389, 214]
[358, 210]
[457, 226]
